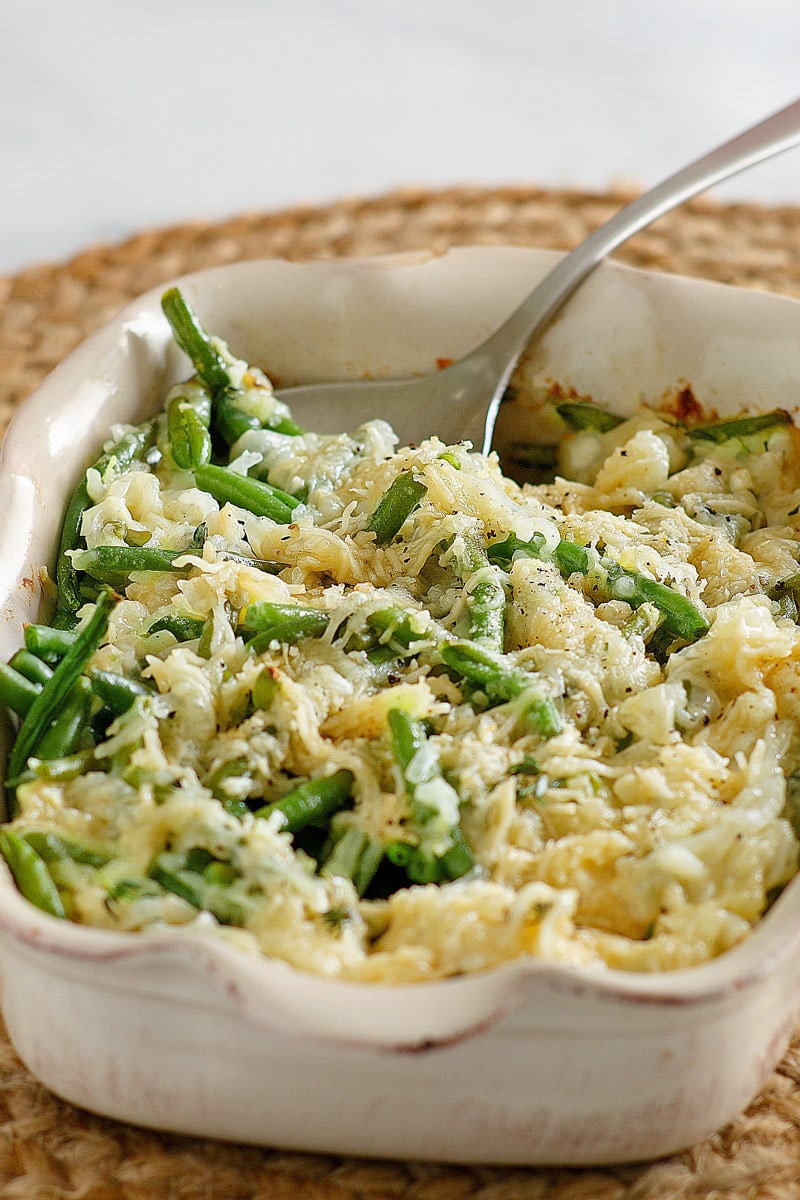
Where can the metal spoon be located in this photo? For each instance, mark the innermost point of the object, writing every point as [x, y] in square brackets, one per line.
[461, 401]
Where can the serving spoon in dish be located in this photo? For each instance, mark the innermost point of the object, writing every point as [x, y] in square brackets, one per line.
[461, 401]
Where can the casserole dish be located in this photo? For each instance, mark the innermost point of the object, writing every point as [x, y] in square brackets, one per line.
[511, 1065]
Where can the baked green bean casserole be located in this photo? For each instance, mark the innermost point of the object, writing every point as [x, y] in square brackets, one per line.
[385, 714]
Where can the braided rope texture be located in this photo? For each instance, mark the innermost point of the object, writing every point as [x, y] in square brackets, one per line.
[50, 1150]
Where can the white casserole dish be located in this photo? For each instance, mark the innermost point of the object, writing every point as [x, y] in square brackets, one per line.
[530, 1063]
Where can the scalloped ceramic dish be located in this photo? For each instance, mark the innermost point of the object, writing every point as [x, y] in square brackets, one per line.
[529, 1063]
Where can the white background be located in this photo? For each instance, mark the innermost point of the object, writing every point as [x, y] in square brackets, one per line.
[122, 115]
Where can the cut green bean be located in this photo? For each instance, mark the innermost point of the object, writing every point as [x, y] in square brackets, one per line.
[113, 462]
[312, 801]
[501, 682]
[31, 666]
[31, 874]
[167, 870]
[206, 358]
[739, 427]
[580, 414]
[215, 782]
[188, 421]
[118, 692]
[48, 643]
[609, 581]
[230, 422]
[265, 689]
[486, 602]
[400, 629]
[53, 694]
[419, 765]
[261, 499]
[395, 507]
[355, 856]
[58, 770]
[489, 671]
[183, 629]
[264, 623]
[53, 847]
[408, 739]
[285, 425]
[62, 737]
[17, 692]
[540, 714]
[205, 641]
[114, 565]
[230, 417]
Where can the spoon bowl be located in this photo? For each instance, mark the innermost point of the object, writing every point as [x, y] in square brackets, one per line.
[461, 402]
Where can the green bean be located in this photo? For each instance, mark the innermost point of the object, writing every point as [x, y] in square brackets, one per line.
[114, 565]
[110, 464]
[579, 414]
[288, 499]
[486, 602]
[62, 737]
[423, 867]
[312, 801]
[265, 689]
[192, 887]
[609, 581]
[540, 714]
[405, 629]
[286, 623]
[230, 417]
[570, 558]
[231, 422]
[215, 782]
[529, 765]
[48, 643]
[58, 769]
[285, 425]
[207, 360]
[489, 671]
[228, 487]
[679, 616]
[459, 858]
[53, 847]
[53, 694]
[118, 692]
[31, 666]
[222, 874]
[17, 692]
[395, 507]
[409, 745]
[419, 866]
[182, 628]
[408, 738]
[502, 682]
[739, 427]
[188, 421]
[205, 641]
[354, 855]
[31, 874]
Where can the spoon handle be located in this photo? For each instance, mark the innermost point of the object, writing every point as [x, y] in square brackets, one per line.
[502, 350]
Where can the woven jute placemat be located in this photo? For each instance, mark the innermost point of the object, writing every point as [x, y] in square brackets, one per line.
[48, 1149]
